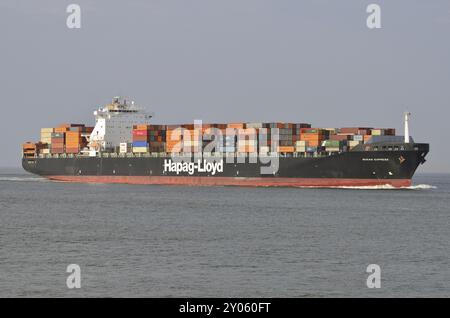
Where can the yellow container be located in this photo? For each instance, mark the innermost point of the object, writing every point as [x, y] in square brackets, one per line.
[376, 132]
[140, 149]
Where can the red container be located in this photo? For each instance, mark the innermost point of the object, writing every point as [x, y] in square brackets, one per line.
[364, 132]
[339, 137]
[349, 130]
[140, 132]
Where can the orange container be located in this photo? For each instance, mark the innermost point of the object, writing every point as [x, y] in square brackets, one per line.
[72, 149]
[247, 149]
[286, 149]
[188, 126]
[176, 135]
[74, 134]
[61, 129]
[236, 125]
[140, 127]
[29, 145]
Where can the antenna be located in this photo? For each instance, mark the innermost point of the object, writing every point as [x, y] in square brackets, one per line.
[407, 114]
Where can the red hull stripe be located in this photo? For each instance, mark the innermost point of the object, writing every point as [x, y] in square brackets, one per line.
[230, 181]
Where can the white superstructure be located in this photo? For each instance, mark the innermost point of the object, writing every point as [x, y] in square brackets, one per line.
[114, 124]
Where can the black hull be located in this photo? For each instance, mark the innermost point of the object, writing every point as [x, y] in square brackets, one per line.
[378, 166]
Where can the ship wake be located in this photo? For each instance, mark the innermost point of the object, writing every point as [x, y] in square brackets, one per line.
[390, 187]
[22, 179]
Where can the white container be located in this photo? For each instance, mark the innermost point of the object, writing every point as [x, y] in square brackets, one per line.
[254, 125]
[123, 148]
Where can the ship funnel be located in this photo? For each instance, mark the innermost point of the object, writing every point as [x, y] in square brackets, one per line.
[407, 114]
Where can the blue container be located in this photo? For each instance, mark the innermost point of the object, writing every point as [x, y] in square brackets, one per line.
[140, 144]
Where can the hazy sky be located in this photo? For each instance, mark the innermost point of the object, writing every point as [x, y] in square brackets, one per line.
[228, 60]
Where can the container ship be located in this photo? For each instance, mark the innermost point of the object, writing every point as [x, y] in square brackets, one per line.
[125, 146]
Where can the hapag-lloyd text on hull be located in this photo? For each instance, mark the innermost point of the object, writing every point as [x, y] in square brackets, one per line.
[207, 166]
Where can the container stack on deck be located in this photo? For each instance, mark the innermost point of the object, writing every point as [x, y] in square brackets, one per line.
[46, 135]
[286, 141]
[332, 145]
[66, 138]
[248, 141]
[208, 131]
[313, 138]
[30, 149]
[57, 144]
[69, 138]
[46, 139]
[245, 138]
[173, 139]
[157, 138]
[74, 142]
[58, 139]
[350, 137]
[232, 141]
[183, 138]
[149, 138]
[140, 139]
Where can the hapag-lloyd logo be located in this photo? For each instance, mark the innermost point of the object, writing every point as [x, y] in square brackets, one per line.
[192, 167]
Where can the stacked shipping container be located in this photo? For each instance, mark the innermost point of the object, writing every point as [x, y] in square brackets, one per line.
[46, 135]
[183, 138]
[236, 138]
[140, 139]
[74, 142]
[29, 149]
[57, 142]
[313, 138]
[66, 138]
[149, 138]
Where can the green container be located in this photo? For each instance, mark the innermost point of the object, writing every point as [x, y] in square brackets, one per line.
[332, 143]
